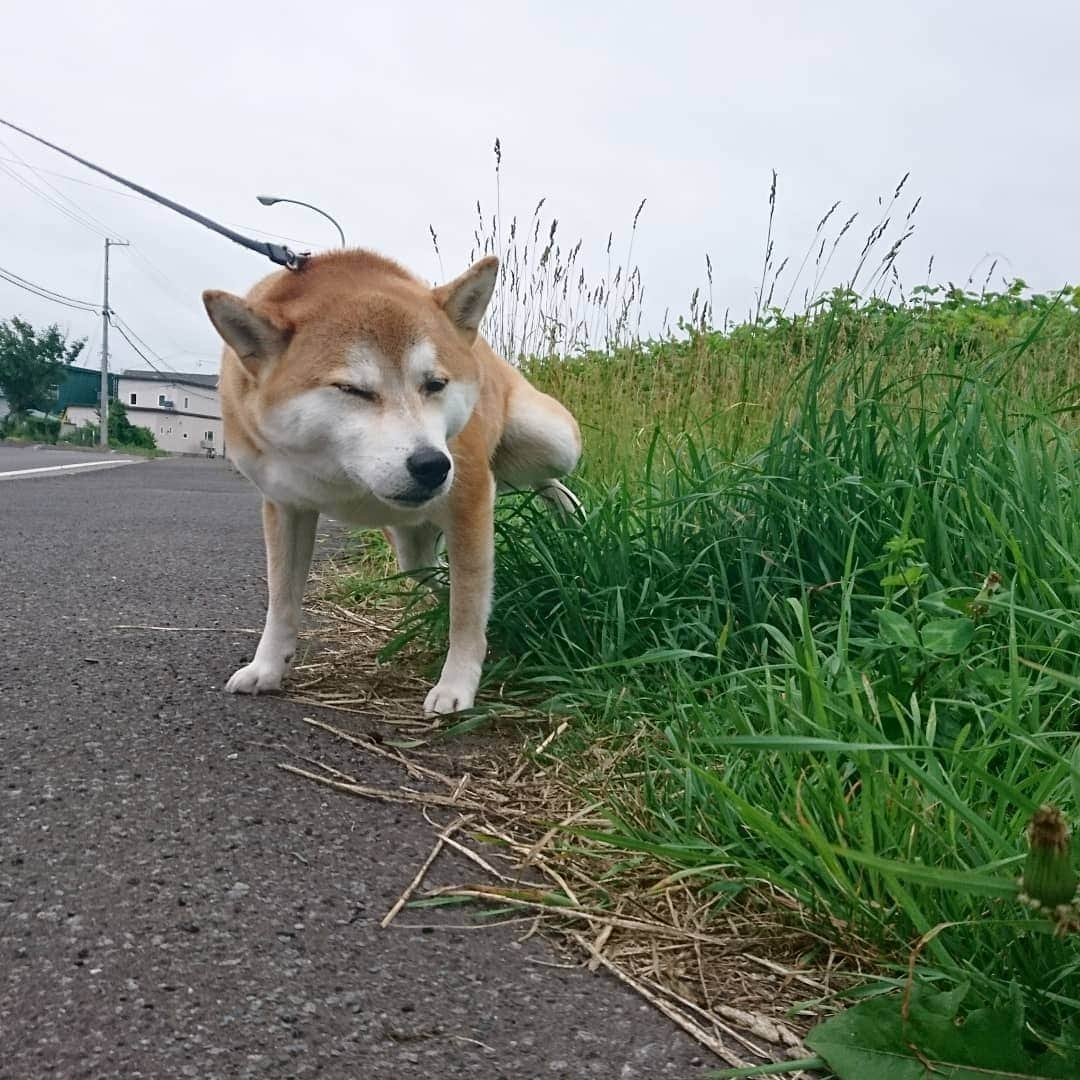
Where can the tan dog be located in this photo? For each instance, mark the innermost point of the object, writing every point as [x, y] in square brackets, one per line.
[351, 388]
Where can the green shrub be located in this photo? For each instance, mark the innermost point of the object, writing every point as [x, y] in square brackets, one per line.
[36, 429]
[122, 432]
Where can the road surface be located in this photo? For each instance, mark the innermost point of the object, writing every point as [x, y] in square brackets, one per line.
[171, 904]
[23, 462]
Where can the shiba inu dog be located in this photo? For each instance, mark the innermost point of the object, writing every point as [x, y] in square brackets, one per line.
[351, 388]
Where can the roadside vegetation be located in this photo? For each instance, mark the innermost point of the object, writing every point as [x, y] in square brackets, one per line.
[32, 364]
[817, 638]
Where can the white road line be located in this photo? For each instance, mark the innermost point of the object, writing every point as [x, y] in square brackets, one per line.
[64, 468]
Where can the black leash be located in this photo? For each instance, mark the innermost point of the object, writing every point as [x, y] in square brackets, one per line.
[277, 253]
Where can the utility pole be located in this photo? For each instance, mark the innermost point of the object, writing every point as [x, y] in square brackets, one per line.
[103, 437]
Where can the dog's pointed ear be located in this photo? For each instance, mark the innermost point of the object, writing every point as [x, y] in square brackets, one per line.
[465, 299]
[251, 333]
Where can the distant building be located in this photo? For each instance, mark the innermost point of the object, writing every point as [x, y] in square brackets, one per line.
[76, 388]
[182, 411]
[77, 395]
[80, 386]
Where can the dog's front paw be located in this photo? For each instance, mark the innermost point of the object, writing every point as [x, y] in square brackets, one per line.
[450, 696]
[258, 677]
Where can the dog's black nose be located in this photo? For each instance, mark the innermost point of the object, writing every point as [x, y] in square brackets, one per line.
[428, 466]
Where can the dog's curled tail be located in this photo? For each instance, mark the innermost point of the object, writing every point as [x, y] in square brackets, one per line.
[562, 501]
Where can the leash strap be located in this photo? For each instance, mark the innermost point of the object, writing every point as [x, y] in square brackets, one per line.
[276, 253]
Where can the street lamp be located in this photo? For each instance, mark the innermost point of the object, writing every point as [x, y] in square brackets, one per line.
[270, 200]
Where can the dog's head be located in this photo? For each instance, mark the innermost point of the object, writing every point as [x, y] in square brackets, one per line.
[360, 370]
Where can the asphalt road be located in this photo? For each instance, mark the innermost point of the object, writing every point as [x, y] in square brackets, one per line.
[25, 458]
[171, 904]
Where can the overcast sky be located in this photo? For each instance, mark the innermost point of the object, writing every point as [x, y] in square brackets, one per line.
[385, 115]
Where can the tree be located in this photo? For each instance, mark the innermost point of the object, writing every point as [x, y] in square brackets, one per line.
[122, 432]
[31, 362]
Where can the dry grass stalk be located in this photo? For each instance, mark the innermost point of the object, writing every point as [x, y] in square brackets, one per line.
[413, 768]
[673, 1013]
[383, 794]
[480, 861]
[413, 885]
[700, 965]
[538, 899]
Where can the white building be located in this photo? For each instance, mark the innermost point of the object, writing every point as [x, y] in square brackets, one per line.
[79, 415]
[182, 411]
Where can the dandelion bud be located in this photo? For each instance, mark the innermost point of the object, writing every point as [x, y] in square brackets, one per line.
[1049, 877]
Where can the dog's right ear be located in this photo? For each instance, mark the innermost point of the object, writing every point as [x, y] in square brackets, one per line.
[249, 332]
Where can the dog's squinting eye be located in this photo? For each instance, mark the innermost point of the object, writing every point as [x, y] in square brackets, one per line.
[433, 386]
[357, 391]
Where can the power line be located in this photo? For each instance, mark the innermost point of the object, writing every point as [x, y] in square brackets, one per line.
[142, 198]
[47, 294]
[118, 327]
[276, 236]
[24, 183]
[51, 292]
[162, 327]
[121, 325]
[159, 327]
[279, 254]
[72, 179]
[162, 280]
[80, 210]
[83, 305]
[81, 216]
[156, 272]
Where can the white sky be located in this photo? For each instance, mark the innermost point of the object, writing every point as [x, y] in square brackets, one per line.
[385, 115]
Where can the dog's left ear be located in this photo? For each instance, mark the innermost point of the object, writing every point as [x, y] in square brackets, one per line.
[465, 299]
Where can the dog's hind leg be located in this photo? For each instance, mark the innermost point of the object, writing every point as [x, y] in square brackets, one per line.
[417, 550]
[540, 443]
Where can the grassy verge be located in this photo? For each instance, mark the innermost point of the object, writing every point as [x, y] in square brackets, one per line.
[832, 646]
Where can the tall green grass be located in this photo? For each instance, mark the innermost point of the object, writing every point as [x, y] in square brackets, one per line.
[727, 388]
[840, 654]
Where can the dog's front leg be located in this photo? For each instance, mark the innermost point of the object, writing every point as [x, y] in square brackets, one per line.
[290, 540]
[470, 547]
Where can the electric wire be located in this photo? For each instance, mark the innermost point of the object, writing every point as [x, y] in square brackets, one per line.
[46, 293]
